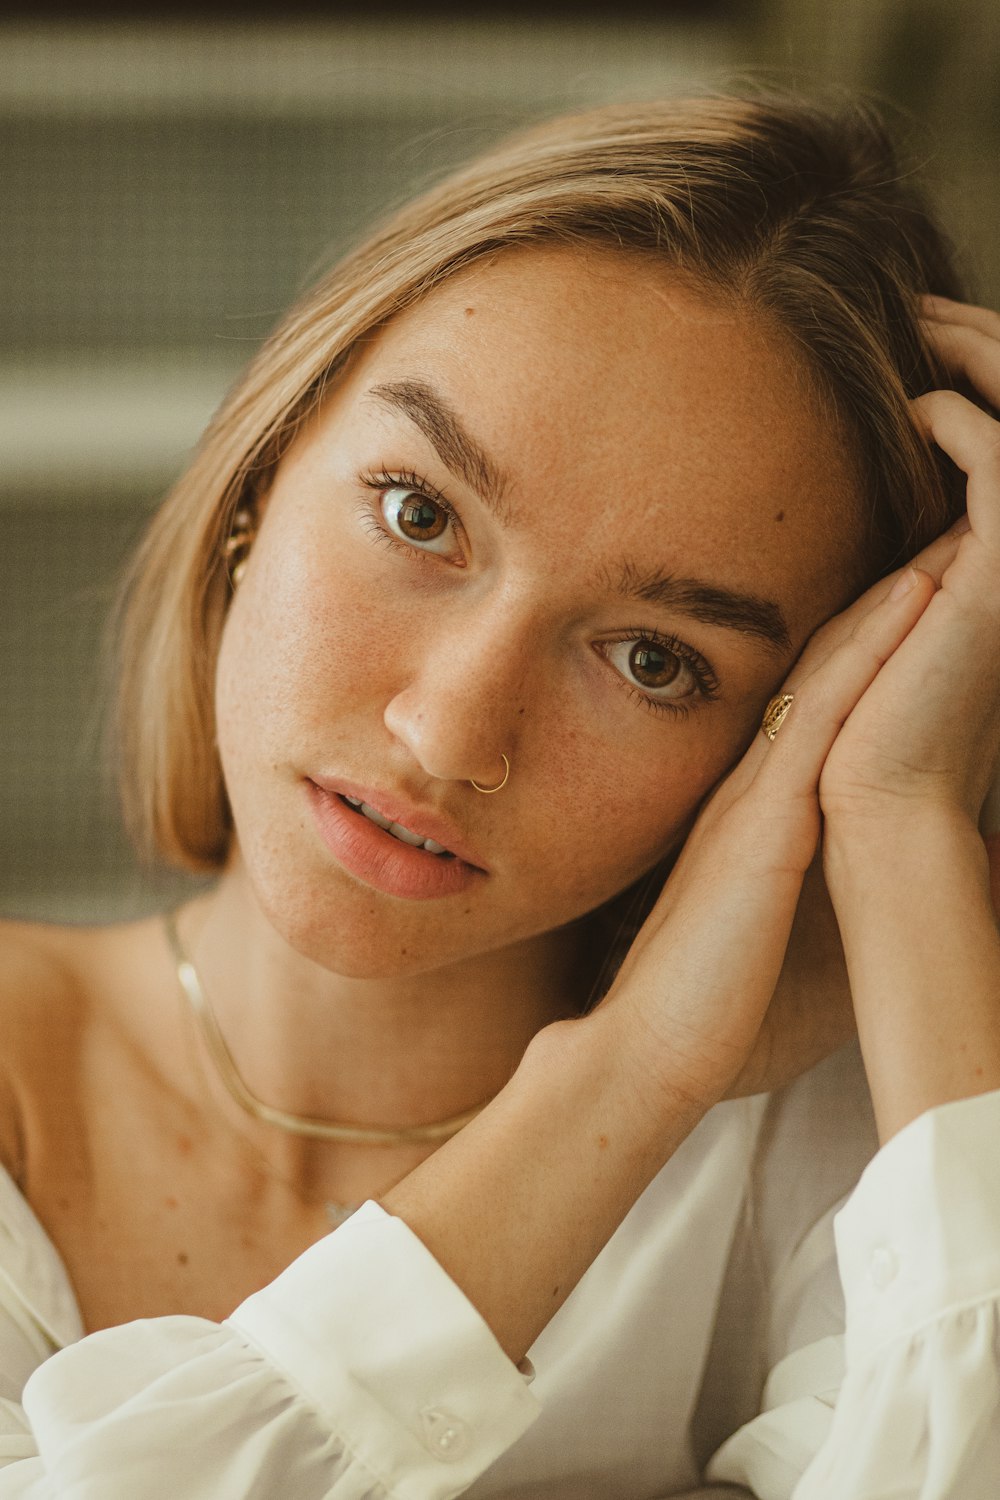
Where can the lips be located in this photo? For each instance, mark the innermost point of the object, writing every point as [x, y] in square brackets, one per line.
[425, 822]
[405, 835]
[381, 860]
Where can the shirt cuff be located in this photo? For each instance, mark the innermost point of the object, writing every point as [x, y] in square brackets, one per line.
[393, 1357]
[921, 1232]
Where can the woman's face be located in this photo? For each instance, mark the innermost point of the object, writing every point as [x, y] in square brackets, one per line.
[565, 510]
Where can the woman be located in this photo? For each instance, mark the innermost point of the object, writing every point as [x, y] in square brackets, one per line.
[455, 639]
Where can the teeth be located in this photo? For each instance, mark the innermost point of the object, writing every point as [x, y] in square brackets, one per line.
[376, 816]
[404, 833]
[398, 831]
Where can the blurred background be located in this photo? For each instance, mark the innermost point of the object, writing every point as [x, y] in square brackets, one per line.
[171, 181]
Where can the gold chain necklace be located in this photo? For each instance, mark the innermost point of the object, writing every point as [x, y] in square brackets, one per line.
[304, 1125]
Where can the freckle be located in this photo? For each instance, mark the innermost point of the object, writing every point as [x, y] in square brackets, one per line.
[182, 1258]
[520, 711]
[602, 1141]
[185, 1145]
[469, 311]
[170, 1201]
[63, 1203]
[780, 516]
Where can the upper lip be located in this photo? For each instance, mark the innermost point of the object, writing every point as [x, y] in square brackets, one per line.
[432, 825]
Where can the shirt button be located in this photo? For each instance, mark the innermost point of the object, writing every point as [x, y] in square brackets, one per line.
[884, 1266]
[446, 1436]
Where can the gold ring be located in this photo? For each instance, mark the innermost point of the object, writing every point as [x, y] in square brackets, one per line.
[774, 714]
[489, 790]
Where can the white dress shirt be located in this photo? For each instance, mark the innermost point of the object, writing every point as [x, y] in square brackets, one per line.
[709, 1331]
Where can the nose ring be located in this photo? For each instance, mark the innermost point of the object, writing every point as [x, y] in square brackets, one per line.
[489, 790]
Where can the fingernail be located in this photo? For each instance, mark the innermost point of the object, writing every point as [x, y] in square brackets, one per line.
[904, 583]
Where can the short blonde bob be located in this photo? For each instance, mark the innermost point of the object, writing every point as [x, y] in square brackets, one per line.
[796, 208]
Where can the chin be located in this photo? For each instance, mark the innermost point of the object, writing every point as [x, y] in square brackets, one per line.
[356, 933]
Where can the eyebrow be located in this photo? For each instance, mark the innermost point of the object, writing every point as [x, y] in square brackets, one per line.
[708, 603]
[462, 454]
[443, 429]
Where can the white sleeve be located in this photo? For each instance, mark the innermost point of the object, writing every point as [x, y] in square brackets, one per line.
[907, 1402]
[361, 1371]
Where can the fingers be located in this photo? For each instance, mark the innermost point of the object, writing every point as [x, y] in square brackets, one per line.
[972, 438]
[968, 340]
[944, 310]
[933, 560]
[970, 351]
[827, 690]
[938, 555]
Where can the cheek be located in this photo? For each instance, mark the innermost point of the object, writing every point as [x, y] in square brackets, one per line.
[614, 808]
[305, 637]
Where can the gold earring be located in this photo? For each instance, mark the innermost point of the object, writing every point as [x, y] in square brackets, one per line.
[237, 549]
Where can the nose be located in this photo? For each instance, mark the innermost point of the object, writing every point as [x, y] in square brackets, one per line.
[463, 703]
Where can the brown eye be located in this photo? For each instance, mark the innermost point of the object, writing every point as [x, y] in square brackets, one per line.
[415, 518]
[421, 520]
[658, 671]
[652, 666]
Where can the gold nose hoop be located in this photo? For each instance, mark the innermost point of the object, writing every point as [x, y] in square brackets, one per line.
[489, 790]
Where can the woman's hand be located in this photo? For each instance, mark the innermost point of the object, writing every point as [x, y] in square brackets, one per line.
[897, 710]
[699, 991]
[927, 731]
[903, 789]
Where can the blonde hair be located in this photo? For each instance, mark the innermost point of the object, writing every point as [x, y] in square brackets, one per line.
[797, 209]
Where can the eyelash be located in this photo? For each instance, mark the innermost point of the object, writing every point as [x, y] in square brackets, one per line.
[381, 480]
[706, 681]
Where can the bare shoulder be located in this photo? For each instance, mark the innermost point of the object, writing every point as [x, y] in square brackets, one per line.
[79, 1007]
[43, 1004]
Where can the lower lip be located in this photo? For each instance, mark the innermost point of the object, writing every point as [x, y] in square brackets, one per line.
[381, 860]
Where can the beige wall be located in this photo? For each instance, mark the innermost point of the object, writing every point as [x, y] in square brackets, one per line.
[938, 60]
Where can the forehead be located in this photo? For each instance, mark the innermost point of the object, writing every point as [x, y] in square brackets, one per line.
[617, 398]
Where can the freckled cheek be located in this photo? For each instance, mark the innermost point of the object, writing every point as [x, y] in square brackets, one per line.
[612, 820]
[313, 633]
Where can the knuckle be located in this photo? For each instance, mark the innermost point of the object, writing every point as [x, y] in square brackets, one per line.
[991, 446]
[939, 402]
[822, 641]
[990, 319]
[863, 644]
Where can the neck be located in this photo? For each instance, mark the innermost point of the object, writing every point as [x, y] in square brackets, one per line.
[400, 1051]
